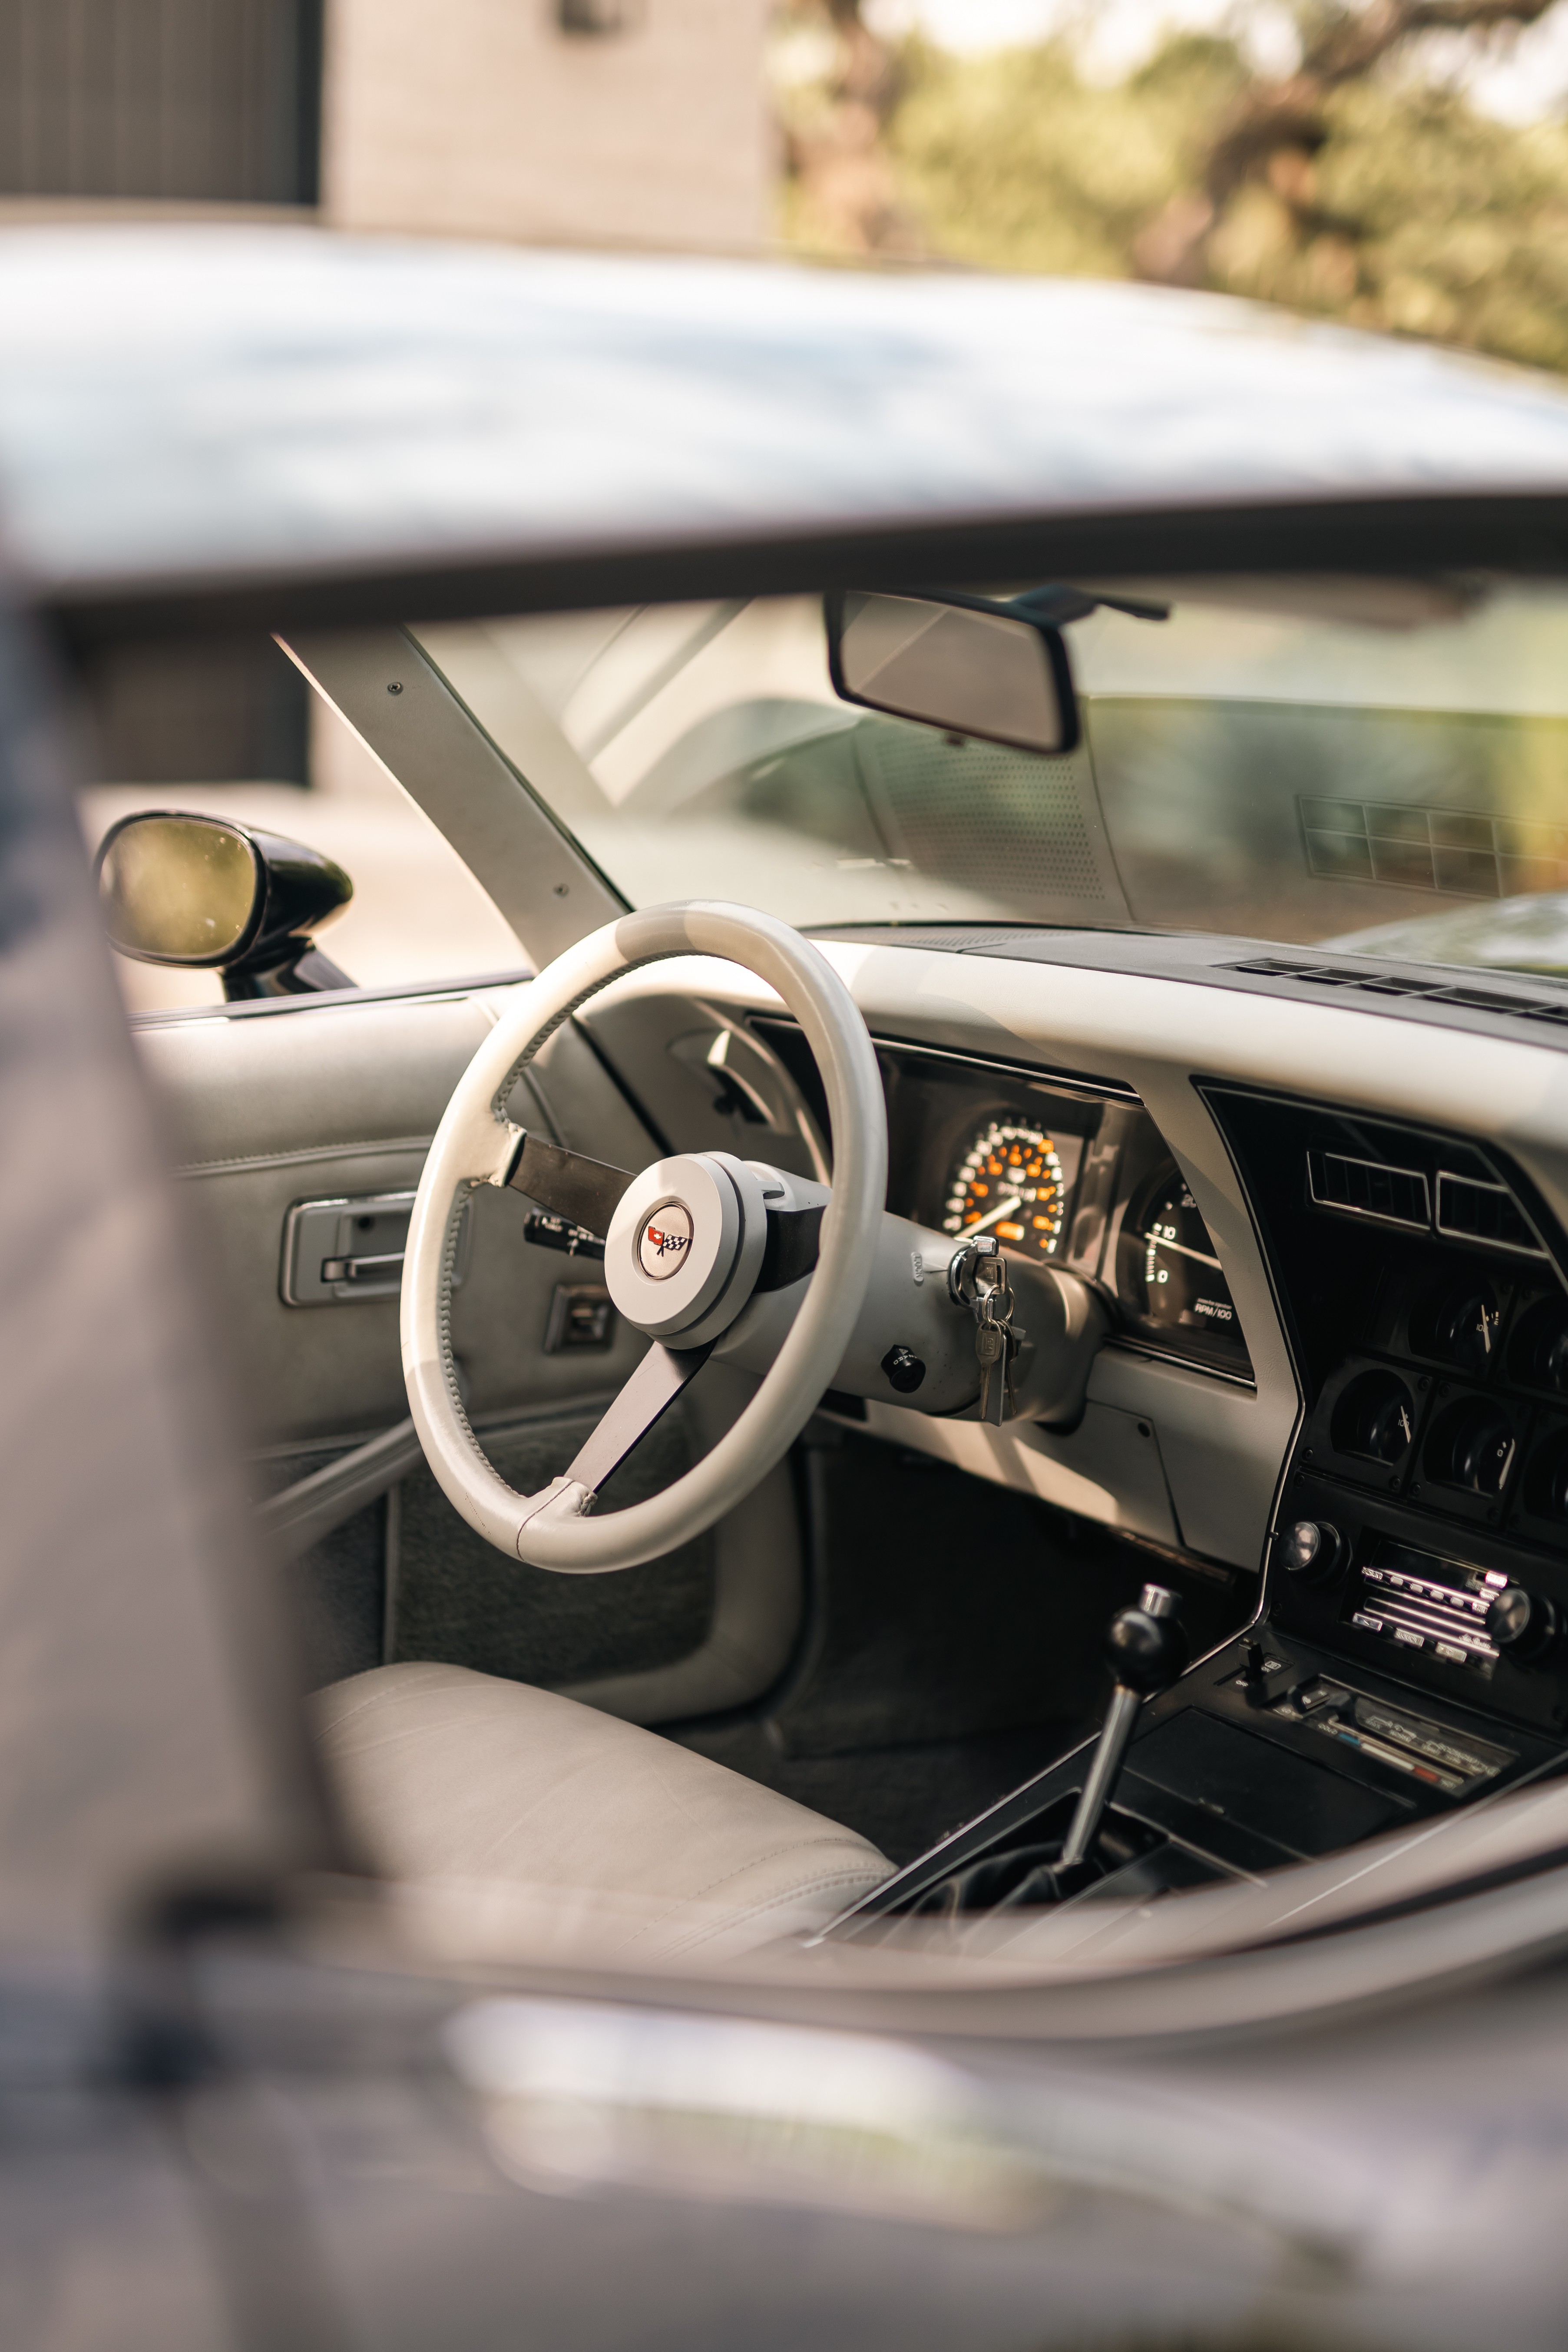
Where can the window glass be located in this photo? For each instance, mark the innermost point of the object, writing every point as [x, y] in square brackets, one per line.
[1382, 763]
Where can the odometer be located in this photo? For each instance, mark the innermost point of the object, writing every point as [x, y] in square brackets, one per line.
[1008, 1183]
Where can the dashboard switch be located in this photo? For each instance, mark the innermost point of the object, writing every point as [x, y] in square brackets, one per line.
[1313, 1550]
[904, 1369]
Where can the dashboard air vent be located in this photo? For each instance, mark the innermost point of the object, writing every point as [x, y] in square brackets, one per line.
[1404, 984]
[1471, 1212]
[1368, 1187]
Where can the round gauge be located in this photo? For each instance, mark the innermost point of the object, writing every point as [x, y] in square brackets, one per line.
[1184, 1286]
[1009, 1183]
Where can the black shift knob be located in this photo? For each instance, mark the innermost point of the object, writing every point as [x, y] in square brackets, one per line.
[1144, 1647]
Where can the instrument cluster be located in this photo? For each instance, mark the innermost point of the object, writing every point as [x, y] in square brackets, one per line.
[1068, 1172]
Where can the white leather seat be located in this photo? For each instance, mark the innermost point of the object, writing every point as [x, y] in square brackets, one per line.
[447, 1775]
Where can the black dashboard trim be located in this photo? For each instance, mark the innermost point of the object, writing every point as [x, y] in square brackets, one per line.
[1129, 1343]
[268, 1008]
[1068, 1081]
[1085, 1083]
[1514, 1178]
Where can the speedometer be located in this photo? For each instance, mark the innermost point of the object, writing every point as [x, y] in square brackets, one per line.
[1008, 1183]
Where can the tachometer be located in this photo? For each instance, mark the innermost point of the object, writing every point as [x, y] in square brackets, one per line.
[1008, 1183]
[1184, 1288]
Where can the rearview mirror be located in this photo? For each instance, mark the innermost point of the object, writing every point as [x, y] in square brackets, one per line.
[961, 664]
[206, 894]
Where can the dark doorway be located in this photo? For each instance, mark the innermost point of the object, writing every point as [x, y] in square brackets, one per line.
[204, 102]
[217, 710]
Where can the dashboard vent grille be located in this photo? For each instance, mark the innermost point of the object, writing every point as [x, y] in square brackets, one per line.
[1470, 1209]
[1402, 984]
[1470, 1212]
[1367, 1187]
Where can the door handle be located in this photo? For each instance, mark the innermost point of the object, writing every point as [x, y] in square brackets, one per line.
[351, 1248]
[385, 1268]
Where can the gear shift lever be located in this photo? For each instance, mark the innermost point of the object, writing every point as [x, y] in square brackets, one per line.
[1146, 1651]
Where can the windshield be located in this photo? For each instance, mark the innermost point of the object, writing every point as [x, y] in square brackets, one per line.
[1380, 765]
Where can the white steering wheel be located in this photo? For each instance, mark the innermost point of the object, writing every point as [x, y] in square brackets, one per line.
[684, 1245]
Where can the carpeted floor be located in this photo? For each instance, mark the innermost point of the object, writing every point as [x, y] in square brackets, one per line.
[902, 1798]
[954, 1643]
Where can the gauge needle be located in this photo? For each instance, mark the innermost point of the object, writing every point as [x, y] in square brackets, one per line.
[1157, 1241]
[1003, 1209]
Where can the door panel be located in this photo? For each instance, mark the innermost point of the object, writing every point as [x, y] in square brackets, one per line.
[256, 1086]
[343, 1101]
[311, 1103]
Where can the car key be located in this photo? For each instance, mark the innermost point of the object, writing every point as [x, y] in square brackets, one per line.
[995, 1338]
[990, 1342]
[977, 1278]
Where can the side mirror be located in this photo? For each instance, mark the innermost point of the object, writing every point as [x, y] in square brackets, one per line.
[960, 663]
[209, 894]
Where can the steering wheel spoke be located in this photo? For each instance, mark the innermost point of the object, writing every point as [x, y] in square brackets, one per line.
[585, 1192]
[660, 1377]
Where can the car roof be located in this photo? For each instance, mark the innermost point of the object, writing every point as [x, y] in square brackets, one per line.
[187, 410]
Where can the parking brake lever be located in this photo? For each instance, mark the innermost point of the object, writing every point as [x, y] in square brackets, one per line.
[1146, 1651]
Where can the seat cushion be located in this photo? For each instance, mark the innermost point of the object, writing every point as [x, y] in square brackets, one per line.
[443, 1774]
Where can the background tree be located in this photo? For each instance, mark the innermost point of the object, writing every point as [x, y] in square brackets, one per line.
[1274, 129]
[840, 87]
[1362, 186]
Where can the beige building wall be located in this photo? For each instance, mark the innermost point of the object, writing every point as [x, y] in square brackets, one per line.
[483, 117]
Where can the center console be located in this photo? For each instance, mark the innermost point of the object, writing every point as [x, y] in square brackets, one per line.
[1410, 1652]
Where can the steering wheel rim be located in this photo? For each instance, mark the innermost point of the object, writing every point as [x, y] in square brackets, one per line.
[475, 1144]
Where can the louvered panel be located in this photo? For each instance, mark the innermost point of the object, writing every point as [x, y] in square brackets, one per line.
[1367, 1187]
[192, 100]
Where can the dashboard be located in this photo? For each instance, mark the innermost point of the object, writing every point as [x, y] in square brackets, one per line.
[1337, 1367]
[1409, 1651]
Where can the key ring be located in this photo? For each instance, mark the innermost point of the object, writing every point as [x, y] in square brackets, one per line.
[963, 1287]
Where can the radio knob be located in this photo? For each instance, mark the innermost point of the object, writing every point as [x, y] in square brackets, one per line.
[1525, 1627]
[1313, 1550]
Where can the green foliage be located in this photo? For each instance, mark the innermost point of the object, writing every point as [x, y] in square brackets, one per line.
[1458, 225]
[1416, 214]
[1013, 161]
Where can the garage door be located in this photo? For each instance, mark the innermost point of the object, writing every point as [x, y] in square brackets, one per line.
[195, 101]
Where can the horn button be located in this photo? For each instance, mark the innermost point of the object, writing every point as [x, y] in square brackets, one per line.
[665, 1238]
[685, 1246]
